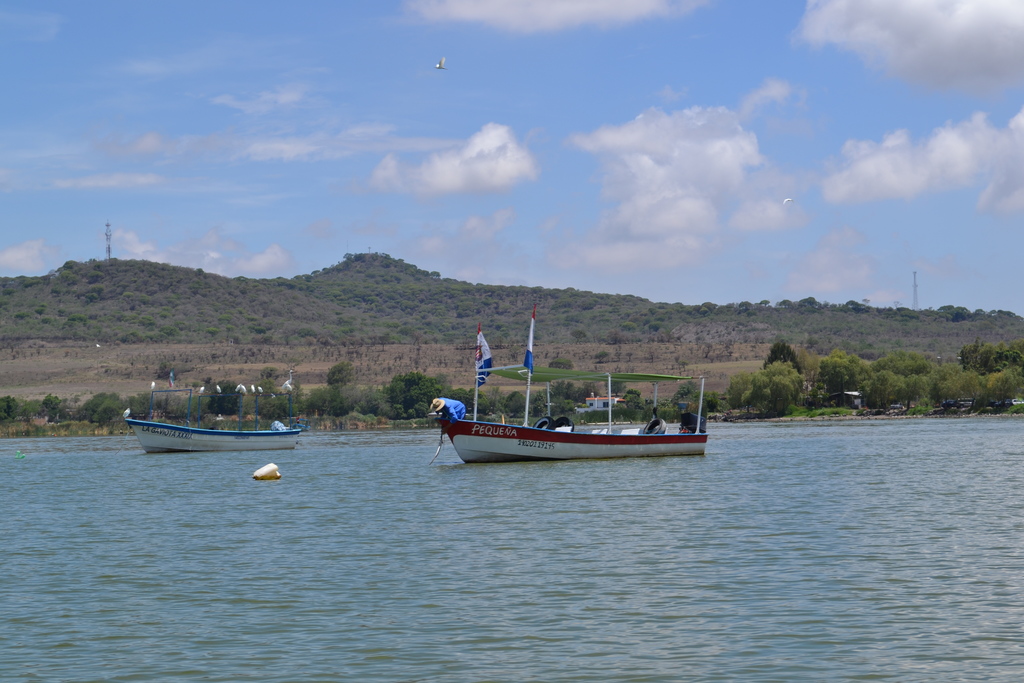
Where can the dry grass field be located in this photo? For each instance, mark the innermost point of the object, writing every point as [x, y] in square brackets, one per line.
[33, 370]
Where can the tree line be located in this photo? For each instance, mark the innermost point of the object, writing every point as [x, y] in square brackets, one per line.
[982, 372]
[406, 397]
[985, 374]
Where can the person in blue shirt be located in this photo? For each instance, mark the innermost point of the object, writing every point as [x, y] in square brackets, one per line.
[448, 408]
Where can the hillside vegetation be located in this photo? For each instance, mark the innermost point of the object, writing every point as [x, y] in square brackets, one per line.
[376, 299]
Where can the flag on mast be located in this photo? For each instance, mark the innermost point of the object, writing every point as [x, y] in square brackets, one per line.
[483, 357]
[528, 362]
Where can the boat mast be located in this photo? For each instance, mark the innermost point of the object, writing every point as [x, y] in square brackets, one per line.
[528, 362]
[609, 402]
[526, 411]
[700, 406]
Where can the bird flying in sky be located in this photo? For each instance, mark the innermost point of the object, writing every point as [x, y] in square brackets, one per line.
[440, 65]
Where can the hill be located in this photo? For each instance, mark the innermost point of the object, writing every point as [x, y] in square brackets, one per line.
[376, 299]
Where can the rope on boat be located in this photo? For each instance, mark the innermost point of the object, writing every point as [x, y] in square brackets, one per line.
[439, 444]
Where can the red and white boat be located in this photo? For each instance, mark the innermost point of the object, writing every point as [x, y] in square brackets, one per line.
[491, 442]
[559, 439]
[478, 442]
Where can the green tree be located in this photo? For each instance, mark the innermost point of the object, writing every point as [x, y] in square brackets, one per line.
[340, 374]
[1003, 384]
[8, 408]
[951, 381]
[327, 401]
[904, 364]
[882, 388]
[409, 395]
[633, 399]
[739, 387]
[914, 388]
[102, 408]
[775, 388]
[841, 371]
[51, 405]
[781, 352]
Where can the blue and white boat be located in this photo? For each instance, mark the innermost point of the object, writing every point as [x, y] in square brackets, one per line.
[162, 437]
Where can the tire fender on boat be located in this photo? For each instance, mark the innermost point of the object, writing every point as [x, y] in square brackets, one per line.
[544, 423]
[655, 426]
[564, 422]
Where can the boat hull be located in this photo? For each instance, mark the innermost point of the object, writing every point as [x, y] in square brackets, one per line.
[159, 437]
[490, 442]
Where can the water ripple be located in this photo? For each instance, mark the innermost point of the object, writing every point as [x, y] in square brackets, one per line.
[843, 551]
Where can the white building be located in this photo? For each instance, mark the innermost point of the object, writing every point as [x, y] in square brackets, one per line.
[600, 403]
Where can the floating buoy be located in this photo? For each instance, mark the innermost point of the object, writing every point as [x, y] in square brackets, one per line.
[22, 455]
[267, 472]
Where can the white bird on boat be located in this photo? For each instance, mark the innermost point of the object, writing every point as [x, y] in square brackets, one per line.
[218, 389]
[440, 65]
[240, 388]
[252, 387]
[260, 389]
[152, 386]
[287, 386]
[202, 389]
[127, 412]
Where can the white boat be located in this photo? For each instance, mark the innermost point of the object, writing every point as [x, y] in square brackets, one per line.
[162, 437]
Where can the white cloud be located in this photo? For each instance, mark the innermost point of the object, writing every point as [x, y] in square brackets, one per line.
[26, 257]
[1005, 192]
[833, 265]
[284, 96]
[529, 16]
[669, 94]
[110, 181]
[315, 146]
[768, 214]
[473, 251]
[773, 90]
[322, 229]
[215, 55]
[672, 177]
[30, 26]
[212, 252]
[149, 143]
[954, 156]
[974, 45]
[491, 160]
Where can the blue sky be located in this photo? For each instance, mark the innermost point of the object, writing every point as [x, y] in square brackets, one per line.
[640, 148]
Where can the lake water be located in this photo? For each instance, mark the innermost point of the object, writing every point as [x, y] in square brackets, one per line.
[881, 550]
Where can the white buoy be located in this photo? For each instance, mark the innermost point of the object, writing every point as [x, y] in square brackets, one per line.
[267, 472]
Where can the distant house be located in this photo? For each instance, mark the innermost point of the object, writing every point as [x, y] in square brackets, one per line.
[847, 399]
[600, 403]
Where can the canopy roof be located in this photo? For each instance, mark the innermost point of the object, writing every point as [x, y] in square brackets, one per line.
[553, 374]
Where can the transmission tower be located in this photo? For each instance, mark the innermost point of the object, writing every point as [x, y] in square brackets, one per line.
[108, 240]
[915, 289]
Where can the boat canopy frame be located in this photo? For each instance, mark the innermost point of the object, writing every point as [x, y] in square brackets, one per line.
[548, 375]
[199, 406]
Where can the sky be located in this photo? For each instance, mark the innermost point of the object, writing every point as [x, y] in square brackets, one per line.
[648, 147]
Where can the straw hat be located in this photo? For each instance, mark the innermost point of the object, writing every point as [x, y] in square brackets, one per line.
[436, 405]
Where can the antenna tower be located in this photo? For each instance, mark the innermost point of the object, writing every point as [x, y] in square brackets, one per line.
[915, 290]
[108, 240]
